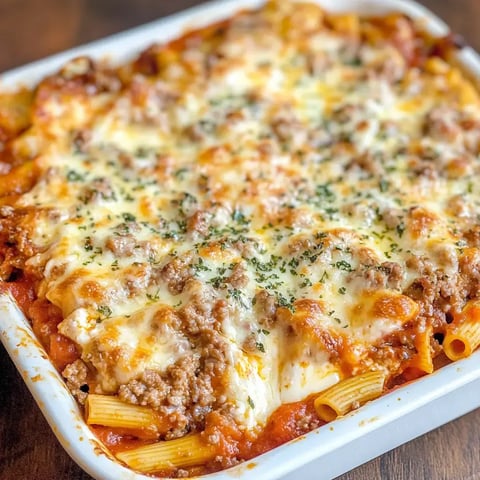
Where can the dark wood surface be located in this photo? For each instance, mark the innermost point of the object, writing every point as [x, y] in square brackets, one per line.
[32, 29]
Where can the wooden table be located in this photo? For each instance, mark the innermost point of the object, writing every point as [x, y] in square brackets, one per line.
[31, 29]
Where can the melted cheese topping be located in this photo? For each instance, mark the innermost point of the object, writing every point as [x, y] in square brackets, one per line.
[289, 174]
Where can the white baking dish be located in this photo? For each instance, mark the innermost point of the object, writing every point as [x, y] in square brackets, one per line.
[323, 454]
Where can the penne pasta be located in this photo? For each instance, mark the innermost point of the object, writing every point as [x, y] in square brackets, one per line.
[183, 452]
[109, 411]
[462, 340]
[348, 394]
[422, 362]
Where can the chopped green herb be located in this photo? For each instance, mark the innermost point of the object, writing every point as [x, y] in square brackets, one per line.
[384, 185]
[343, 265]
[87, 244]
[239, 217]
[73, 176]
[128, 217]
[105, 310]
[400, 228]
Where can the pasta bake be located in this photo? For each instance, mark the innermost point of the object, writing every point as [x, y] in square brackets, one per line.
[246, 232]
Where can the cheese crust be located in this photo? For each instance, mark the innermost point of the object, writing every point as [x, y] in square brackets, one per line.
[249, 214]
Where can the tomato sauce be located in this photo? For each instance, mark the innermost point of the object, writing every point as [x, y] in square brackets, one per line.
[62, 351]
[22, 290]
[287, 422]
[45, 318]
[117, 439]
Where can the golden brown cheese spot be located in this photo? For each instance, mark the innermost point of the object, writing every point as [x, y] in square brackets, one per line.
[395, 307]
[67, 292]
[307, 322]
[14, 113]
[421, 222]
[383, 307]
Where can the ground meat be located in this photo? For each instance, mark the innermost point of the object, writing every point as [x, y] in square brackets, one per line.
[384, 275]
[437, 295]
[199, 222]
[419, 264]
[442, 123]
[469, 267]
[149, 389]
[471, 138]
[82, 71]
[121, 245]
[308, 422]
[446, 256]
[394, 274]
[98, 190]
[126, 160]
[238, 278]
[299, 244]
[290, 130]
[6, 211]
[137, 277]
[423, 168]
[76, 376]
[345, 113]
[250, 345]
[176, 272]
[459, 206]
[184, 392]
[149, 101]
[265, 308]
[368, 163]
[81, 139]
[389, 66]
[194, 133]
[169, 392]
[127, 227]
[247, 247]
[319, 138]
[164, 166]
[440, 294]
[472, 236]
[366, 256]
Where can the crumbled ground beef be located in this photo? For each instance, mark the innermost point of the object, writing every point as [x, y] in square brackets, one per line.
[265, 308]
[76, 376]
[440, 294]
[238, 278]
[176, 272]
[185, 392]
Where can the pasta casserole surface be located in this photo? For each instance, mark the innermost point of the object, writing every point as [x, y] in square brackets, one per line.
[246, 232]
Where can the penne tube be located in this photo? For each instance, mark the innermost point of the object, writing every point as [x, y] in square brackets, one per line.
[109, 411]
[348, 394]
[461, 340]
[422, 362]
[182, 452]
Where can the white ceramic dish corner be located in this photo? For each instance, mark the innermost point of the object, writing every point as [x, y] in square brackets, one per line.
[323, 454]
